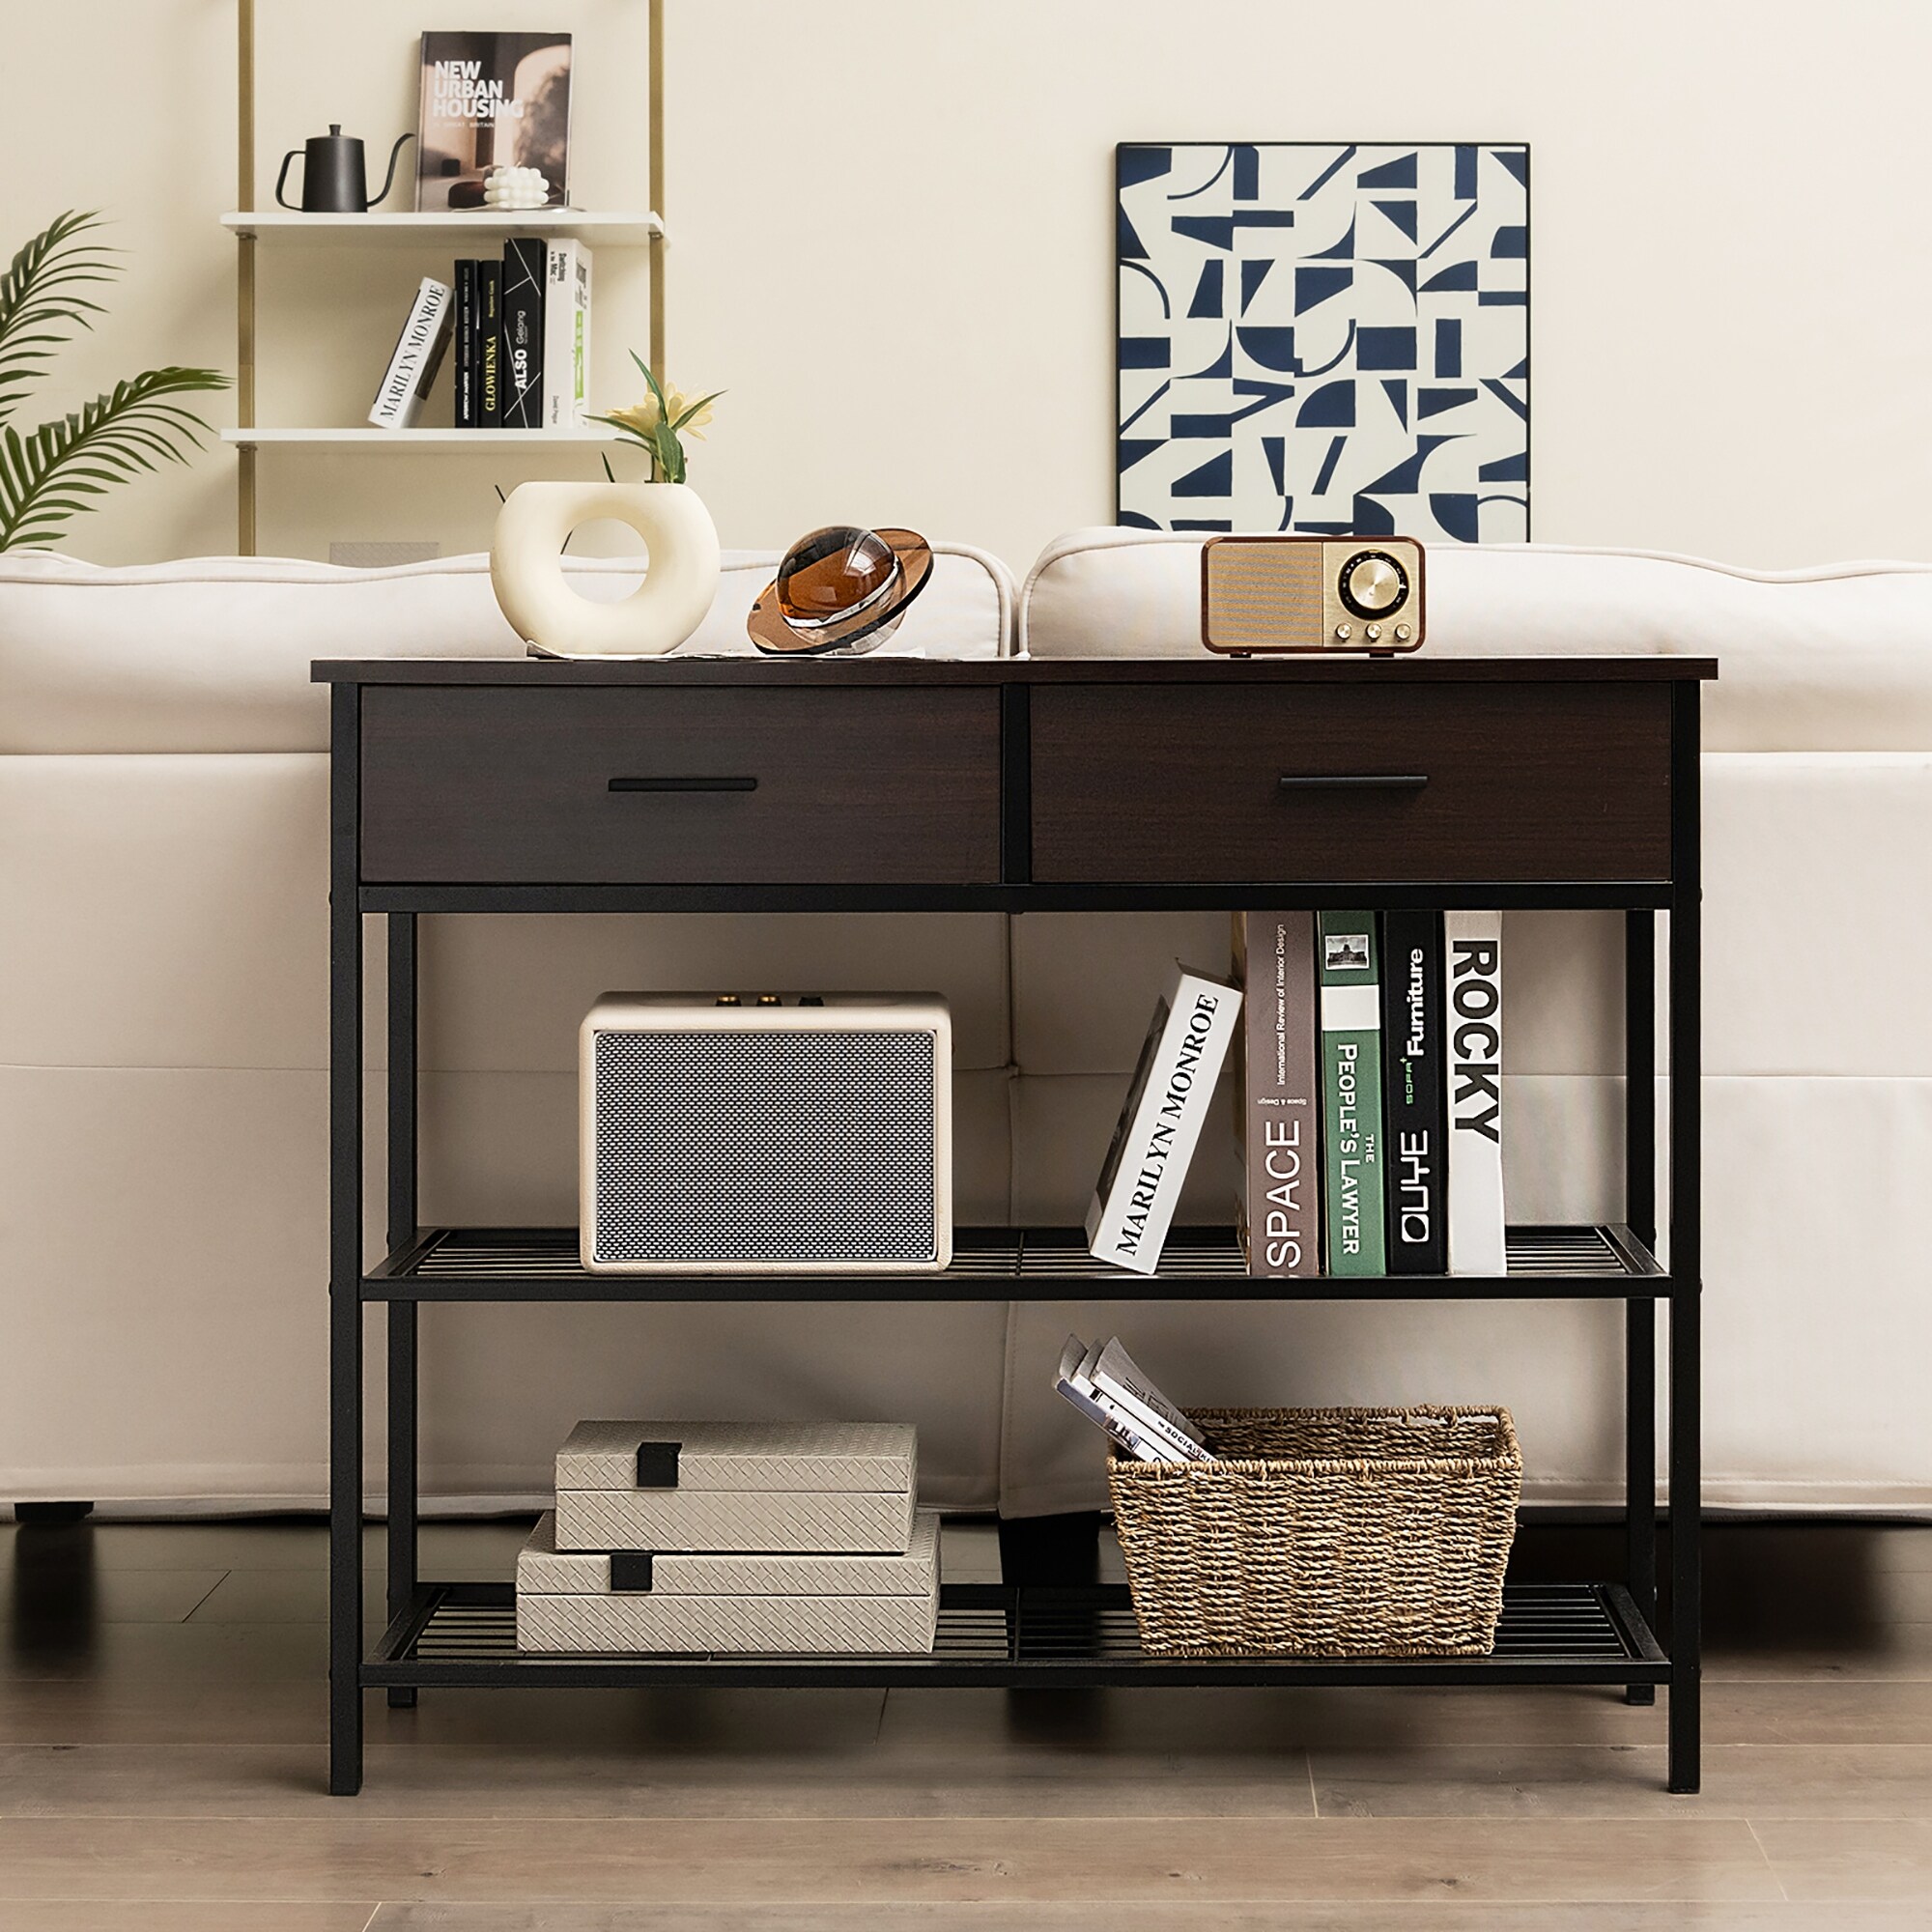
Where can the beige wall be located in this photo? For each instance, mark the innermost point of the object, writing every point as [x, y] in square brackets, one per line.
[891, 244]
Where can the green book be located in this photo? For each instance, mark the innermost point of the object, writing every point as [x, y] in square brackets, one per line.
[1352, 1092]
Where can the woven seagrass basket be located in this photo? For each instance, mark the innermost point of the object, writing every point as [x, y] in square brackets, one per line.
[1323, 1532]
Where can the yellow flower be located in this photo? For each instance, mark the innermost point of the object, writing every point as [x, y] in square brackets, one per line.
[642, 419]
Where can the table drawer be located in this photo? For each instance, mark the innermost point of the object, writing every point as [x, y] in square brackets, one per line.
[1400, 782]
[602, 785]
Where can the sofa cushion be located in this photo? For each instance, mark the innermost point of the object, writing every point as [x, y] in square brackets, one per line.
[1833, 659]
[212, 654]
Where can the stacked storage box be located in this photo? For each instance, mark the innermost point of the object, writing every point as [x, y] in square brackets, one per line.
[728, 1536]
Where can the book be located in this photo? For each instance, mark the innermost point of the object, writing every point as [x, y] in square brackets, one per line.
[566, 335]
[416, 358]
[1277, 1094]
[1106, 1385]
[466, 414]
[1415, 1118]
[1352, 1092]
[521, 323]
[490, 344]
[1160, 1121]
[1474, 944]
[492, 101]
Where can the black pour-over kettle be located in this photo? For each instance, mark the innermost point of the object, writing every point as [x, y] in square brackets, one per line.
[333, 179]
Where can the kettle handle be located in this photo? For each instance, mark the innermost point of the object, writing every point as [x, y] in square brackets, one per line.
[282, 178]
[388, 178]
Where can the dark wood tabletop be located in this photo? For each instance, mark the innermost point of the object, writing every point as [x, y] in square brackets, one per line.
[1315, 668]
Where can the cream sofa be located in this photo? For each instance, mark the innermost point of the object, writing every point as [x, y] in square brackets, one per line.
[161, 1093]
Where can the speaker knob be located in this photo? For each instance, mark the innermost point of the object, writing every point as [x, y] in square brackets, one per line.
[1373, 584]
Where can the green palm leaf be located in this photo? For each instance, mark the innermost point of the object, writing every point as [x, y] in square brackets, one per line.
[42, 303]
[47, 476]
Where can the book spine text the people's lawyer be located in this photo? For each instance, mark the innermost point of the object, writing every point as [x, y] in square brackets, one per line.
[1172, 1091]
[525, 269]
[1474, 943]
[1416, 1122]
[1278, 1095]
[1351, 1093]
[417, 357]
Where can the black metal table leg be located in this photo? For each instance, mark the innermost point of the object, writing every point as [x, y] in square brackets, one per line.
[401, 1350]
[1685, 1251]
[1640, 1316]
[345, 1257]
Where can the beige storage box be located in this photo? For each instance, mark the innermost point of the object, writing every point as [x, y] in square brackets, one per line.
[796, 1488]
[626, 1600]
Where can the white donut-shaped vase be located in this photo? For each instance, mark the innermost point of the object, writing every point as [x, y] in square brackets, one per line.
[527, 568]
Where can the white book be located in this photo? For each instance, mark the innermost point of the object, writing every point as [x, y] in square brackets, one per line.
[566, 357]
[416, 358]
[1472, 945]
[1160, 1123]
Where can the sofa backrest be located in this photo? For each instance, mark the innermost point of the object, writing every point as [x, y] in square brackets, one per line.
[212, 654]
[1837, 658]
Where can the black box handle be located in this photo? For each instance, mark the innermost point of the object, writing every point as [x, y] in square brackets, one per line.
[657, 1464]
[629, 1570]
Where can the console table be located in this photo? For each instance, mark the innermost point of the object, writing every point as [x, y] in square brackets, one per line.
[882, 784]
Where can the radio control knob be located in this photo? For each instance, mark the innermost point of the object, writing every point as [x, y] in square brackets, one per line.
[1373, 631]
[1402, 634]
[1373, 584]
[1343, 632]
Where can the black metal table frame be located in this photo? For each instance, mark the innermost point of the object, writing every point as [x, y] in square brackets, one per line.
[1630, 1609]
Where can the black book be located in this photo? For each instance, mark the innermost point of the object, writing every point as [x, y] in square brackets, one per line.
[1415, 1118]
[489, 345]
[467, 358]
[525, 267]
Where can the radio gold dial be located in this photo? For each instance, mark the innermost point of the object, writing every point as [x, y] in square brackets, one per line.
[1373, 584]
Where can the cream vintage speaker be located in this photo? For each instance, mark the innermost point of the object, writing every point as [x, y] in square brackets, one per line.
[1293, 593]
[766, 1133]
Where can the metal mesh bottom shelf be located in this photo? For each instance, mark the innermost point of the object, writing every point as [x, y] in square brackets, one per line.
[1033, 1263]
[1549, 1634]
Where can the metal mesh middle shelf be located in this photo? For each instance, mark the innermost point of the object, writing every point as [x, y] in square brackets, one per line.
[1005, 1263]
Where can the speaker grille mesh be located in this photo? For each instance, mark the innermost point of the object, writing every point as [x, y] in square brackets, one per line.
[1262, 594]
[764, 1147]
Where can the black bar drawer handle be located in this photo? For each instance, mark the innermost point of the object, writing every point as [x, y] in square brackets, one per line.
[1354, 781]
[684, 784]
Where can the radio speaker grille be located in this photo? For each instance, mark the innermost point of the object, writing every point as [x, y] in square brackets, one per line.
[773, 1147]
[1264, 594]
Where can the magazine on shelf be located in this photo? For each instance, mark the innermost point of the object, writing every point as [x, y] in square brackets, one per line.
[1160, 1123]
[1474, 943]
[492, 101]
[1277, 1094]
[416, 358]
[1107, 1386]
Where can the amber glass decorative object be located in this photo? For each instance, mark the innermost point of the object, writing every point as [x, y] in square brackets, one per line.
[839, 592]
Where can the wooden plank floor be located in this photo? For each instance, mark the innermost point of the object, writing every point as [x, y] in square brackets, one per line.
[161, 1730]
